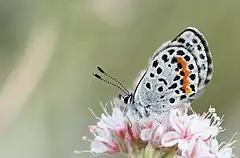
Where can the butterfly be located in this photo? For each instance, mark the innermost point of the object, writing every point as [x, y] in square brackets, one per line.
[177, 73]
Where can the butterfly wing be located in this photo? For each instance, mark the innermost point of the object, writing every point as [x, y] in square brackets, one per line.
[179, 70]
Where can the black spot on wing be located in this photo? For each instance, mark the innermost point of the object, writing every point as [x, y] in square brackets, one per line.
[171, 100]
[173, 86]
[179, 65]
[194, 40]
[177, 91]
[181, 40]
[155, 63]
[206, 81]
[148, 85]
[174, 60]
[188, 45]
[183, 90]
[186, 57]
[202, 56]
[162, 80]
[181, 81]
[183, 97]
[165, 58]
[192, 87]
[180, 52]
[199, 47]
[182, 73]
[171, 51]
[192, 76]
[152, 75]
[176, 78]
[190, 66]
[160, 89]
[159, 70]
[203, 67]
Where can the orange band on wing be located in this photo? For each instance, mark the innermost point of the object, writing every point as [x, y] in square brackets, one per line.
[186, 74]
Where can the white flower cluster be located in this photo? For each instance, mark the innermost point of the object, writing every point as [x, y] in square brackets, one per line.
[186, 135]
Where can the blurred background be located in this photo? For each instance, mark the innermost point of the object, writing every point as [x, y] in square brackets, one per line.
[49, 50]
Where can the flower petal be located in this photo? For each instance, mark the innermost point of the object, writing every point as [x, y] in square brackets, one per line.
[202, 149]
[187, 145]
[158, 131]
[224, 153]
[214, 145]
[170, 138]
[175, 120]
[118, 116]
[98, 147]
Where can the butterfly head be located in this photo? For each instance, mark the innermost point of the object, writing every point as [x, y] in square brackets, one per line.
[124, 95]
[127, 99]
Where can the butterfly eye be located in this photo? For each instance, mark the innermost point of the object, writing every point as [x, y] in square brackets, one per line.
[126, 99]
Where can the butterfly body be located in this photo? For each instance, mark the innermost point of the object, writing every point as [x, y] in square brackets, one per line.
[176, 74]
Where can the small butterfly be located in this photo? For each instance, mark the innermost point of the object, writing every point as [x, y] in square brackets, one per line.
[176, 74]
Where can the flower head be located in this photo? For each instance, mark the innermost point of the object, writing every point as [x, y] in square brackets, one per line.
[187, 129]
[114, 133]
[185, 135]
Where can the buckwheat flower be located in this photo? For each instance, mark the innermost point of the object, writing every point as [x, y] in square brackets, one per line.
[200, 150]
[223, 150]
[103, 142]
[116, 122]
[178, 133]
[187, 129]
[154, 127]
[182, 134]
[115, 133]
[152, 132]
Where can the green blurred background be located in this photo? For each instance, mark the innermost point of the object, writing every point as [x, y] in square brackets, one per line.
[49, 49]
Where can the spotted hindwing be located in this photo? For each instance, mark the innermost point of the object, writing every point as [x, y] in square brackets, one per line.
[178, 71]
